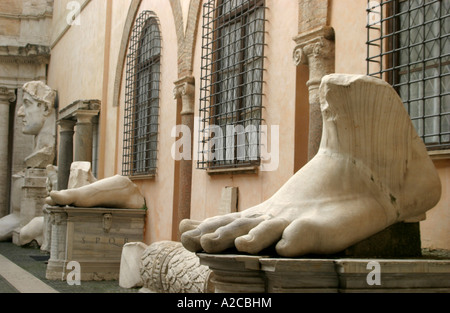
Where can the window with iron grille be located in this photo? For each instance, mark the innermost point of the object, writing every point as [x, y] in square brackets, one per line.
[408, 44]
[142, 97]
[231, 83]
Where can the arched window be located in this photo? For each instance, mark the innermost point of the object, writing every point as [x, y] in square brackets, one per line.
[231, 83]
[142, 97]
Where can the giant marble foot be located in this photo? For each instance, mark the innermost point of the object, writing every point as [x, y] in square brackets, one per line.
[112, 192]
[372, 170]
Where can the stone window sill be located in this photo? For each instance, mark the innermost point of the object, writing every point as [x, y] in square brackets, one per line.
[439, 154]
[142, 177]
[233, 170]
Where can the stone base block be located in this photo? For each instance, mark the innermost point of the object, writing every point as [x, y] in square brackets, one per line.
[397, 241]
[239, 273]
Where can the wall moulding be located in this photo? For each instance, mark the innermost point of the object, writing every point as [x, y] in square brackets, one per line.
[40, 16]
[8, 94]
[28, 54]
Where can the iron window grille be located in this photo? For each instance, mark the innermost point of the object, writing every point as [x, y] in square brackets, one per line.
[142, 97]
[408, 45]
[232, 65]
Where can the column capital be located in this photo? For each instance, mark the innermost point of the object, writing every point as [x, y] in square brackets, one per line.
[299, 56]
[185, 89]
[315, 43]
[7, 94]
[66, 125]
[85, 116]
[315, 48]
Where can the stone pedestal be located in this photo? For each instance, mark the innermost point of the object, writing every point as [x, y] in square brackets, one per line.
[94, 238]
[235, 273]
[34, 192]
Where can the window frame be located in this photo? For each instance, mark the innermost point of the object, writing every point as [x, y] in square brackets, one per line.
[225, 107]
[388, 44]
[141, 116]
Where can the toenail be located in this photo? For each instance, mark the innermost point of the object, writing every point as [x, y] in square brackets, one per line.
[248, 237]
[193, 233]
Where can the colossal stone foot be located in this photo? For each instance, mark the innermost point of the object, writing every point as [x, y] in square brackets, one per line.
[112, 192]
[372, 170]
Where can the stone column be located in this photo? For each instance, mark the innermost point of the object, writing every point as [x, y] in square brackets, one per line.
[65, 155]
[185, 89]
[83, 135]
[315, 49]
[7, 96]
[79, 146]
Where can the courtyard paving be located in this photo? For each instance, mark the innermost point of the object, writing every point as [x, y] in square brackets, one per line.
[22, 270]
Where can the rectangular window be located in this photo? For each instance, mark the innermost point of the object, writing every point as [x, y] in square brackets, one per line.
[409, 46]
[142, 97]
[231, 83]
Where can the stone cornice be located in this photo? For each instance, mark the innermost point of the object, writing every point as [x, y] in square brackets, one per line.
[28, 54]
[70, 111]
[43, 15]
